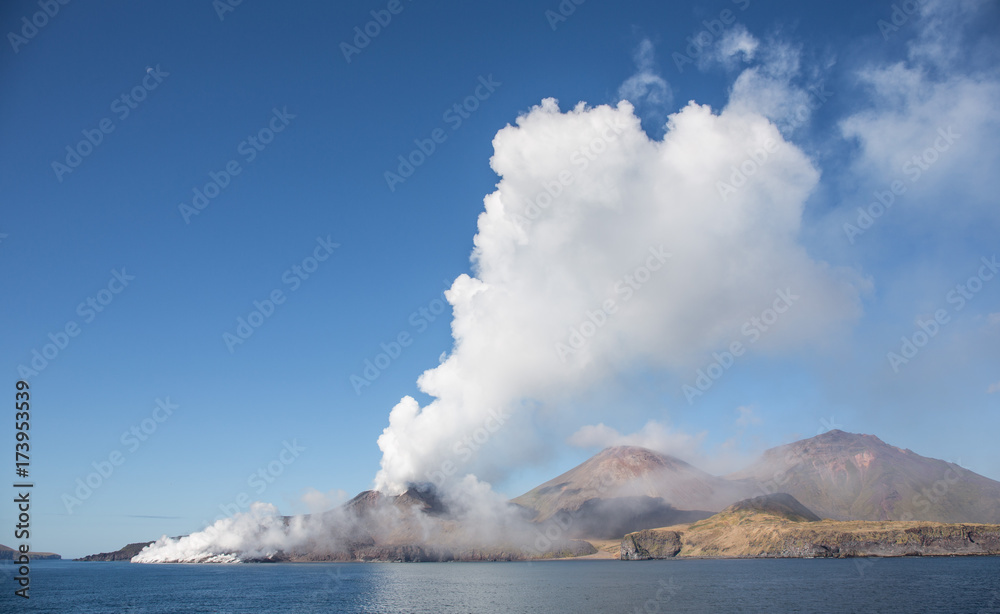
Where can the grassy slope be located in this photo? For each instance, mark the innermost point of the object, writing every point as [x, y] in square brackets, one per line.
[746, 533]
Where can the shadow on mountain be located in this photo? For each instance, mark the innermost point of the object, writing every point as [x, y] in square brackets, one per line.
[612, 518]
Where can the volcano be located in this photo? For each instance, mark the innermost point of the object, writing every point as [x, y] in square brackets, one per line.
[847, 476]
[624, 489]
[628, 488]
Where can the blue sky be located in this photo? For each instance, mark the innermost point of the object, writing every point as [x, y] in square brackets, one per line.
[198, 86]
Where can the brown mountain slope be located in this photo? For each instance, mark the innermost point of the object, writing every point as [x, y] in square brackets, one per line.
[628, 488]
[845, 476]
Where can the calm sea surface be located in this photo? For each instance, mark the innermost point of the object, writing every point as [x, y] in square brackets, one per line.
[852, 585]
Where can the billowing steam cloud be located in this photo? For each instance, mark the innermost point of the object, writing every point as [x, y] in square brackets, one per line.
[602, 250]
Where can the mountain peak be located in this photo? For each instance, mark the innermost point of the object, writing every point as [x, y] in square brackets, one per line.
[834, 433]
[626, 450]
[424, 496]
[835, 443]
[838, 435]
[636, 455]
[631, 476]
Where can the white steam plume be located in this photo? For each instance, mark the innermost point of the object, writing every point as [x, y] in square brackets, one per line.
[682, 239]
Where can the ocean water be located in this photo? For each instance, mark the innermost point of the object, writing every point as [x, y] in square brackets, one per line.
[907, 585]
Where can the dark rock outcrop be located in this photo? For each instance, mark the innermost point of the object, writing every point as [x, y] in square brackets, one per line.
[122, 554]
[650, 544]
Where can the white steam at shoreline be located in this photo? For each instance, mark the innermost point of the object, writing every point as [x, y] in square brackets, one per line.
[257, 534]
